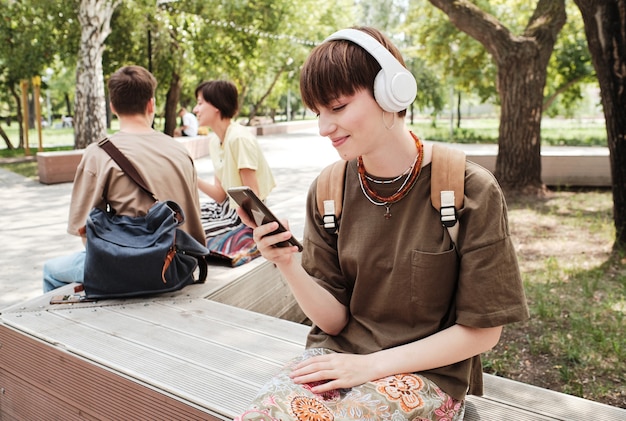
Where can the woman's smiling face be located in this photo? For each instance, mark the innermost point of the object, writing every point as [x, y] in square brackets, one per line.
[205, 112]
[352, 124]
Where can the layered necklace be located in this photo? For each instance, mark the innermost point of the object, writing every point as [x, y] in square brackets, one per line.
[410, 177]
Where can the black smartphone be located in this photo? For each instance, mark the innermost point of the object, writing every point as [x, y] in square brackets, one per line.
[259, 213]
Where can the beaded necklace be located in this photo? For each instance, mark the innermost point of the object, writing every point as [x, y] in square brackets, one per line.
[412, 172]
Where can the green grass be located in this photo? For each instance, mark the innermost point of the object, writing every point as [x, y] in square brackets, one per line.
[26, 168]
[574, 341]
[554, 132]
[52, 140]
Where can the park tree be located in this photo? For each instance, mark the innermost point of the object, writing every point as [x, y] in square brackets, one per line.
[467, 70]
[260, 45]
[570, 68]
[29, 30]
[605, 27]
[90, 104]
[521, 61]
[392, 20]
[459, 63]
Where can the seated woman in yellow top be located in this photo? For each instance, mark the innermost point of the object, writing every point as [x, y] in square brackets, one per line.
[236, 155]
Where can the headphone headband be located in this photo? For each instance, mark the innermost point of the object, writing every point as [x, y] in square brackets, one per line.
[395, 87]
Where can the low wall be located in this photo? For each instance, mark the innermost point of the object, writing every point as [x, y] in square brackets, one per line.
[563, 166]
[60, 166]
[288, 127]
[197, 146]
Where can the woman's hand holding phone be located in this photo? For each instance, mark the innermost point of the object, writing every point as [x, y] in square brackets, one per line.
[274, 240]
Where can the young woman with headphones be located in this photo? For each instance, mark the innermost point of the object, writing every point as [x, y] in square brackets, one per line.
[400, 312]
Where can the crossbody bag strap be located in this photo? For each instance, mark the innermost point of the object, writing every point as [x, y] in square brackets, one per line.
[125, 165]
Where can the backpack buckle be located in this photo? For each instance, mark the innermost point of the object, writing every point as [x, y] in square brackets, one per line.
[448, 213]
[329, 218]
[448, 216]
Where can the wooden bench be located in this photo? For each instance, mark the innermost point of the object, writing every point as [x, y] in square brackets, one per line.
[185, 356]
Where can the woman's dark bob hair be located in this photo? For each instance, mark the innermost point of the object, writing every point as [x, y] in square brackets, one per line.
[340, 67]
[222, 94]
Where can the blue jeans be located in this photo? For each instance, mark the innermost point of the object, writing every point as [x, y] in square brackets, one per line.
[63, 270]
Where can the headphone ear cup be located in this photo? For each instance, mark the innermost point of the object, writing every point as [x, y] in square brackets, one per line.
[382, 96]
[396, 94]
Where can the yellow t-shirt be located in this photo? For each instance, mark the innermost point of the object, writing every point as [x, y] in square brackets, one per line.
[240, 149]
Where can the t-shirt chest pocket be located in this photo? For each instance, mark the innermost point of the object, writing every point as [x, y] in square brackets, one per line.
[433, 277]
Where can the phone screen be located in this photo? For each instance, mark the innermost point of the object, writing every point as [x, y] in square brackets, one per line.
[259, 213]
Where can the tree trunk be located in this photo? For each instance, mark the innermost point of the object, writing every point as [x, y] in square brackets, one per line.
[255, 107]
[4, 136]
[520, 82]
[18, 116]
[90, 109]
[171, 104]
[68, 104]
[458, 110]
[522, 62]
[605, 27]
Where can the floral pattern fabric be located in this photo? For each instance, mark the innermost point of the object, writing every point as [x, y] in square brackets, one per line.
[401, 397]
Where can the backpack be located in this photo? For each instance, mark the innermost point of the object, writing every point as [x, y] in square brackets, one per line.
[446, 189]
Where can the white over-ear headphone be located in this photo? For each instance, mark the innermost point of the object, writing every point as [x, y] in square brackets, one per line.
[394, 87]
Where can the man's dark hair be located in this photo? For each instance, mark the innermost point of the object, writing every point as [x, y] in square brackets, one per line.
[130, 90]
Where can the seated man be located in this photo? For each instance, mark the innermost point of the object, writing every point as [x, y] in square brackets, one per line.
[166, 167]
[189, 126]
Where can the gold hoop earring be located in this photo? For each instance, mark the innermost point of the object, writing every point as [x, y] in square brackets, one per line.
[392, 124]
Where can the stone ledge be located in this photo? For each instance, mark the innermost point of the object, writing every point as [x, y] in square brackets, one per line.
[58, 166]
[566, 166]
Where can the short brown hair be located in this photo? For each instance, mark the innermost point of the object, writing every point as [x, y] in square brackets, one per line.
[341, 67]
[222, 94]
[130, 90]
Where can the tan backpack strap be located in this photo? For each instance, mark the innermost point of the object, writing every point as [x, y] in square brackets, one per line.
[329, 194]
[447, 186]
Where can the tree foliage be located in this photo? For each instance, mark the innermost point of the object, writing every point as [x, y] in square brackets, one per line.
[30, 32]
[521, 59]
[570, 67]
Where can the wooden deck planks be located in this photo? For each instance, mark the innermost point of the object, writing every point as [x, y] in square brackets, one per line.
[544, 402]
[42, 381]
[206, 359]
[192, 353]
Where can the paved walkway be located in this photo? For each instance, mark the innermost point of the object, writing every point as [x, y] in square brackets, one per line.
[33, 216]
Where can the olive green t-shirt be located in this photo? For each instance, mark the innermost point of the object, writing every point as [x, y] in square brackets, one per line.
[403, 279]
